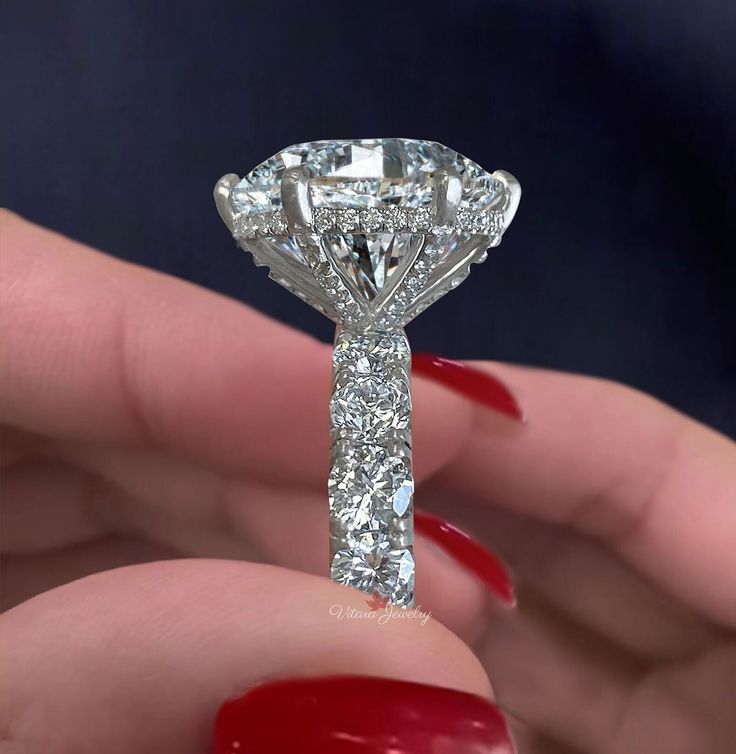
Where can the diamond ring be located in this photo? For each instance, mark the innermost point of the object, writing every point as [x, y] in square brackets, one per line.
[370, 232]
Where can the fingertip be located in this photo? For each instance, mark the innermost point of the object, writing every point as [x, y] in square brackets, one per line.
[182, 636]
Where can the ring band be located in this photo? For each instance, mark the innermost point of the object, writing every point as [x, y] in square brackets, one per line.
[370, 483]
[370, 232]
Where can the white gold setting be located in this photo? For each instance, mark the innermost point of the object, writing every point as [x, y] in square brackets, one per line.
[371, 220]
[370, 232]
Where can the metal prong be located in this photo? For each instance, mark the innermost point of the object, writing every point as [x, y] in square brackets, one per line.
[223, 187]
[448, 190]
[513, 193]
[295, 199]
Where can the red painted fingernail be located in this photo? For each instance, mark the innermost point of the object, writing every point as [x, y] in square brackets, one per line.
[469, 382]
[359, 715]
[469, 553]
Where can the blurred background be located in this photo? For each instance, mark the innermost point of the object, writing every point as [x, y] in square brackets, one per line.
[617, 116]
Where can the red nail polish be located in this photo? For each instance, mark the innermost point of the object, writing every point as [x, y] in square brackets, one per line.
[472, 383]
[469, 553]
[359, 715]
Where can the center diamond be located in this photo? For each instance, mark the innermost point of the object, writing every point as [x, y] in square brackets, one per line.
[373, 177]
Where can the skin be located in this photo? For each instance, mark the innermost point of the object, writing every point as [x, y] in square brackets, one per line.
[161, 443]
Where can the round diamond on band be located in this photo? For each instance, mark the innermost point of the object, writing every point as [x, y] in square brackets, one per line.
[370, 232]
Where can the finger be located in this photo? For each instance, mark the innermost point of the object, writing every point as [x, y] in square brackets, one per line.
[18, 446]
[97, 349]
[558, 679]
[589, 584]
[25, 576]
[96, 490]
[293, 532]
[655, 486]
[149, 653]
[530, 741]
[288, 528]
[584, 693]
[47, 505]
[195, 511]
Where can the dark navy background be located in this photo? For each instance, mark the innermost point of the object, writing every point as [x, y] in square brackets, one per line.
[617, 116]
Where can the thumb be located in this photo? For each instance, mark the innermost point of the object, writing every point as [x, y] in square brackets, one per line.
[140, 659]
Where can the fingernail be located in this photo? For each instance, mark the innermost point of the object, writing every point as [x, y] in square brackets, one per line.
[469, 553]
[469, 382]
[359, 715]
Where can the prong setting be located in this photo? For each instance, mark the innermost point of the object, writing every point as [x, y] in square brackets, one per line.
[511, 193]
[362, 224]
[223, 187]
[447, 196]
[295, 199]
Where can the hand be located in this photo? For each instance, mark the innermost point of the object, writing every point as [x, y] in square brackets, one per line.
[618, 516]
[147, 420]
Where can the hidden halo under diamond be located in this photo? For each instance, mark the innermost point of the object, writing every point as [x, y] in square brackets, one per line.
[370, 232]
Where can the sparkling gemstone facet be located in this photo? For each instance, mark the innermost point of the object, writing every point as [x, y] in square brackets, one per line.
[370, 404]
[370, 232]
[369, 259]
[365, 173]
[373, 196]
[369, 483]
[380, 570]
[370, 353]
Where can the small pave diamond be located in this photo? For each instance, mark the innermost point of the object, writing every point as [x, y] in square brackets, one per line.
[394, 219]
[263, 225]
[466, 220]
[244, 226]
[278, 224]
[420, 220]
[324, 220]
[347, 220]
[371, 220]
